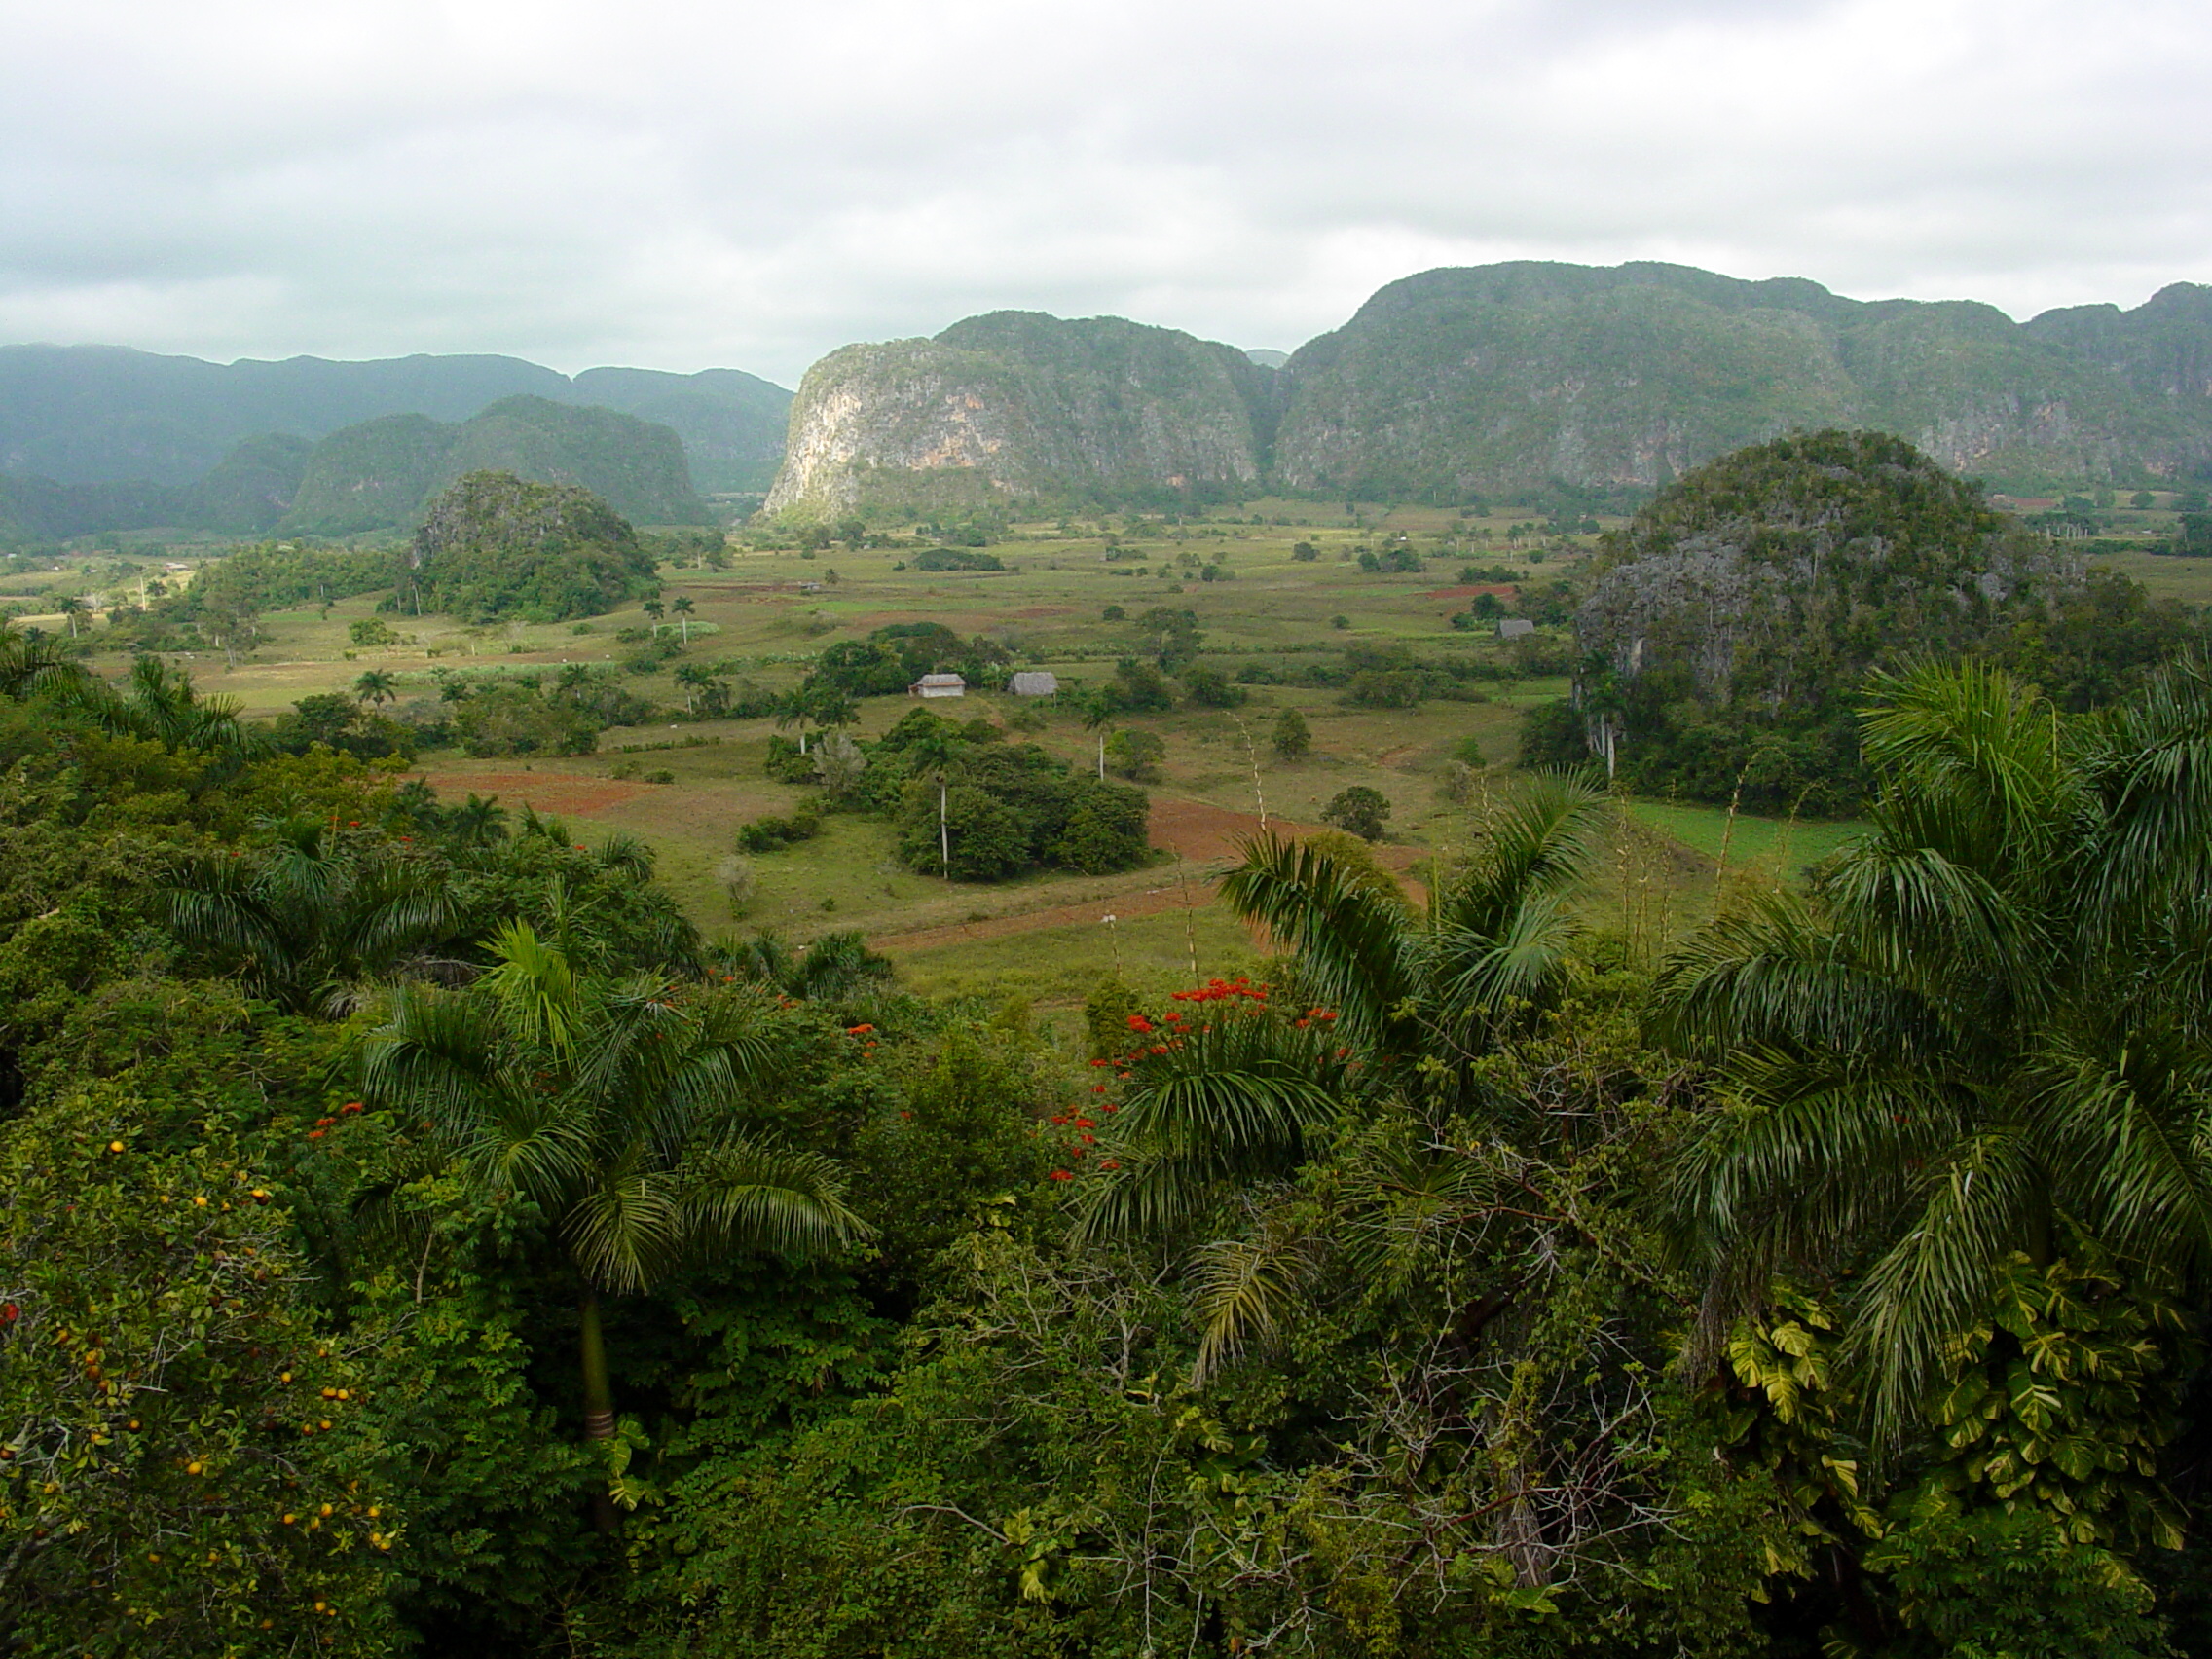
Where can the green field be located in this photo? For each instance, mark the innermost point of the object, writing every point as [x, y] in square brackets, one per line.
[766, 615]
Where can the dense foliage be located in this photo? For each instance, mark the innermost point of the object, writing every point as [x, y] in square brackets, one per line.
[419, 1241]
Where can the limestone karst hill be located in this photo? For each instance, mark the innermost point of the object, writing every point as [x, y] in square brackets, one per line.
[1505, 379]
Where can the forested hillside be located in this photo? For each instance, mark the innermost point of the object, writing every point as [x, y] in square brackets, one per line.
[101, 438]
[1518, 379]
[1728, 630]
[421, 1241]
[381, 474]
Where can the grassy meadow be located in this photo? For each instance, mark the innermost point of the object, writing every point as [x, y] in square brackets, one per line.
[684, 787]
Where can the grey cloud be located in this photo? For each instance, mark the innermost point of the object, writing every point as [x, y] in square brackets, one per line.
[679, 184]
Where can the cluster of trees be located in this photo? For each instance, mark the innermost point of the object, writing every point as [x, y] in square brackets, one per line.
[421, 1241]
[895, 656]
[969, 805]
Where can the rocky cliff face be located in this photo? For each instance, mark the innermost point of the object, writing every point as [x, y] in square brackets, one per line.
[1018, 404]
[1507, 377]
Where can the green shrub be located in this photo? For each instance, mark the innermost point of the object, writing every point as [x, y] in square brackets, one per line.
[769, 831]
[1358, 811]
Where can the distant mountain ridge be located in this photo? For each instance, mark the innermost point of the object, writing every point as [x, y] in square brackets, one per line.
[379, 474]
[86, 430]
[1509, 379]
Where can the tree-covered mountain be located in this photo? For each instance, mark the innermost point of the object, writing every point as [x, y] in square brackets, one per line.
[1730, 629]
[1510, 379]
[1512, 376]
[381, 473]
[491, 544]
[99, 437]
[731, 423]
[1017, 403]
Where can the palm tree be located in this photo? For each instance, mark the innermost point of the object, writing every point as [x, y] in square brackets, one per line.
[71, 609]
[684, 608]
[656, 610]
[309, 919]
[479, 822]
[1418, 998]
[695, 680]
[29, 666]
[161, 706]
[617, 1107]
[934, 753]
[836, 967]
[375, 687]
[1493, 946]
[1986, 1021]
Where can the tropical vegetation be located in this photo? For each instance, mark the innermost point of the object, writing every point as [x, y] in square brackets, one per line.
[423, 1241]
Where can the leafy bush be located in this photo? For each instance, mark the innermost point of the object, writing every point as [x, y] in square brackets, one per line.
[1011, 808]
[515, 720]
[1358, 811]
[1210, 688]
[1292, 737]
[769, 833]
[956, 559]
[1136, 756]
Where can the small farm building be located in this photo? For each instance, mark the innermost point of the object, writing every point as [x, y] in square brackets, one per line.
[1034, 683]
[1513, 627]
[939, 685]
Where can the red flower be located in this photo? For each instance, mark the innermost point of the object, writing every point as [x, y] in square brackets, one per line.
[10, 1313]
[1138, 1022]
[1063, 1175]
[1160, 1048]
[1110, 1107]
[351, 1106]
[858, 1030]
[1098, 1063]
[1098, 1089]
[1107, 1163]
[1061, 1119]
[1087, 1140]
[316, 1134]
[1079, 1123]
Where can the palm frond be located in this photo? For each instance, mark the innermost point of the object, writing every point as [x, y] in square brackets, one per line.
[1239, 1097]
[1535, 842]
[539, 989]
[1352, 943]
[1244, 1289]
[744, 1193]
[1977, 1207]
[626, 1228]
[1778, 975]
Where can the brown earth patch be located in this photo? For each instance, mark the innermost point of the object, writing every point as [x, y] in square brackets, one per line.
[546, 791]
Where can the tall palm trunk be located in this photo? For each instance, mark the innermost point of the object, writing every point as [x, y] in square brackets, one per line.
[944, 831]
[599, 1397]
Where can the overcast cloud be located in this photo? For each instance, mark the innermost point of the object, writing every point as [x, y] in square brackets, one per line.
[681, 185]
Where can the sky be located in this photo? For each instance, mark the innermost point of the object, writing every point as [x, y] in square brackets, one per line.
[677, 185]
